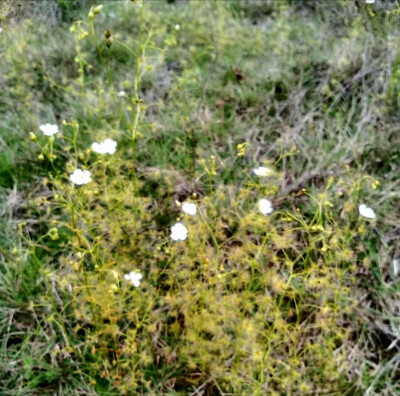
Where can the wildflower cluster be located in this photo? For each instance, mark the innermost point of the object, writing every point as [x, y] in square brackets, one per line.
[232, 286]
[80, 176]
[229, 290]
[236, 280]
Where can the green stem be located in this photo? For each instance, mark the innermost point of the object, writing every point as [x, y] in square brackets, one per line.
[136, 101]
[84, 272]
[211, 231]
[93, 32]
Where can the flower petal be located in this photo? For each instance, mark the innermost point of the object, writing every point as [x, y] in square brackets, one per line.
[366, 211]
[262, 171]
[179, 232]
[265, 206]
[136, 282]
[189, 208]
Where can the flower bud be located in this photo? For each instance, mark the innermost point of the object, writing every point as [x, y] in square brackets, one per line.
[53, 234]
[83, 35]
[33, 137]
[97, 9]
[41, 157]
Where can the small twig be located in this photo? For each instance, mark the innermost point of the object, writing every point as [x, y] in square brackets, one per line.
[197, 391]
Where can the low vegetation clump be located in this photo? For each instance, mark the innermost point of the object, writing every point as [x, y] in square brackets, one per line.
[199, 198]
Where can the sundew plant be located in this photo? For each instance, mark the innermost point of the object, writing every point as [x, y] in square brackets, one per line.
[199, 198]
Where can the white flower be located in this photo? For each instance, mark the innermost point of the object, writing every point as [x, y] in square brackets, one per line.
[265, 206]
[370, 1]
[80, 177]
[177, 26]
[107, 147]
[179, 232]
[1, 29]
[396, 264]
[366, 211]
[189, 208]
[49, 129]
[262, 171]
[134, 277]
[121, 93]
